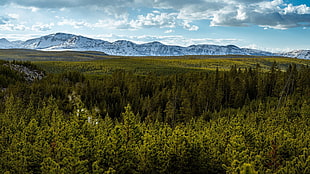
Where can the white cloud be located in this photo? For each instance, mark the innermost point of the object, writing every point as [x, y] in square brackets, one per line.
[241, 13]
[31, 8]
[162, 20]
[113, 24]
[14, 16]
[169, 39]
[6, 19]
[169, 31]
[156, 12]
[75, 24]
[13, 27]
[42, 27]
[300, 9]
[252, 46]
[150, 20]
[188, 26]
[271, 14]
[15, 37]
[267, 6]
[7, 24]
[267, 13]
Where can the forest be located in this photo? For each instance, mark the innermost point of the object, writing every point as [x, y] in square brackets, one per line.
[91, 117]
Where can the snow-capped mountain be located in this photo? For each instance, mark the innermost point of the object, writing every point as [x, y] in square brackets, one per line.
[301, 54]
[5, 43]
[63, 41]
[46, 42]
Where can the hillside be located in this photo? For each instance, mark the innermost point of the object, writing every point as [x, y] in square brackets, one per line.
[302, 54]
[156, 115]
[36, 55]
[15, 72]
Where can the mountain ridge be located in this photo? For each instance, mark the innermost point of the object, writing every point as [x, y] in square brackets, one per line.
[71, 42]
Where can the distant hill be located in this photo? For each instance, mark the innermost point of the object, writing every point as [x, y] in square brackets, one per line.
[64, 41]
[37, 55]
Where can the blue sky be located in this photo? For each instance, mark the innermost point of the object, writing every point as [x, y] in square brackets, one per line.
[272, 25]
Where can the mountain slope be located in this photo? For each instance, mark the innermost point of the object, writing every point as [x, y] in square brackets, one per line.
[5, 43]
[63, 41]
[301, 54]
[46, 41]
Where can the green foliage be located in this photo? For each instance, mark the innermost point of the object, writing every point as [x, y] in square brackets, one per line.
[235, 121]
[167, 65]
[247, 169]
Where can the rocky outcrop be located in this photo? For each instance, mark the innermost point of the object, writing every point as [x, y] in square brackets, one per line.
[30, 75]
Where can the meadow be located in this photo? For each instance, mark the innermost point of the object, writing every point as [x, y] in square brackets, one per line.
[166, 65]
[98, 63]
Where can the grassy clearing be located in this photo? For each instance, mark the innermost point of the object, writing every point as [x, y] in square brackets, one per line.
[97, 63]
[34, 55]
[166, 66]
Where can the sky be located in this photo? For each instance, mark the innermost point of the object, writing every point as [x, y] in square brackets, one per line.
[270, 25]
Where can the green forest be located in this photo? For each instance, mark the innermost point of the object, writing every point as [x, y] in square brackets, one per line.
[156, 115]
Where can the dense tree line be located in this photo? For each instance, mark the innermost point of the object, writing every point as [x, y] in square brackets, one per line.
[169, 98]
[237, 121]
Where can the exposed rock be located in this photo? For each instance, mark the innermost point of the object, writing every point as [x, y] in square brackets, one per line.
[30, 75]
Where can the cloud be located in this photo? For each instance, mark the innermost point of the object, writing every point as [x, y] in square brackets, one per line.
[169, 31]
[300, 9]
[272, 14]
[11, 22]
[150, 20]
[43, 27]
[266, 13]
[188, 26]
[169, 39]
[67, 3]
[113, 24]
[13, 27]
[111, 7]
[73, 23]
[5, 19]
[162, 20]
[7, 25]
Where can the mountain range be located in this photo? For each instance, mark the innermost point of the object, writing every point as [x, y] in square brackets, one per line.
[64, 41]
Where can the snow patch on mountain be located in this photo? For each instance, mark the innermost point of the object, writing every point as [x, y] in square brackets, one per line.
[63, 41]
[301, 54]
[47, 41]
